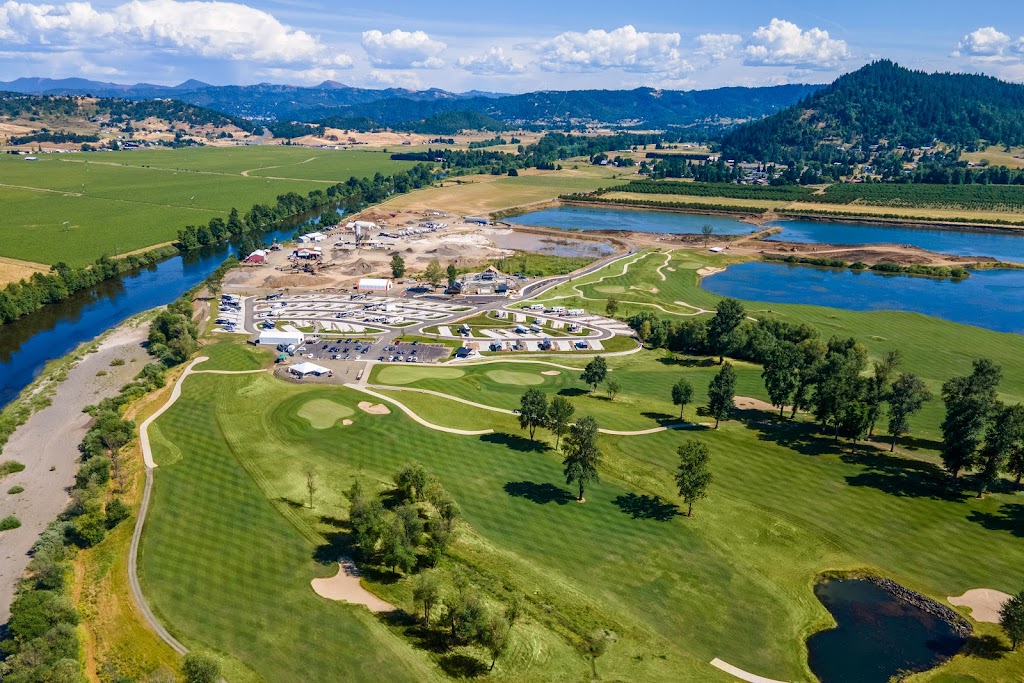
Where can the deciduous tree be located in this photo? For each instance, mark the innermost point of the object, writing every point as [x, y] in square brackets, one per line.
[729, 313]
[582, 456]
[560, 412]
[533, 410]
[311, 484]
[1011, 618]
[879, 386]
[693, 475]
[969, 401]
[397, 266]
[595, 372]
[682, 394]
[780, 374]
[612, 306]
[434, 274]
[722, 393]
[613, 387]
[907, 396]
[1005, 436]
[426, 592]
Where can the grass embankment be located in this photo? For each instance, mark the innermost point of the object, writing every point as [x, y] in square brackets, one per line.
[118, 202]
[229, 531]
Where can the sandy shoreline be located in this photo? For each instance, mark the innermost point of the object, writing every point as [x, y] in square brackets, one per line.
[47, 444]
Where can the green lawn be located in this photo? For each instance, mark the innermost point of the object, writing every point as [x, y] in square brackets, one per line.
[228, 551]
[122, 201]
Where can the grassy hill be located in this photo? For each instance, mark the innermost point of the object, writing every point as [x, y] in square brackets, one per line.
[886, 102]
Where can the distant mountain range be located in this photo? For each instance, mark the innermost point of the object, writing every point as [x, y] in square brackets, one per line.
[886, 102]
[643, 107]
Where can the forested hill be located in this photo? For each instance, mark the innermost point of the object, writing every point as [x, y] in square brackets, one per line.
[884, 101]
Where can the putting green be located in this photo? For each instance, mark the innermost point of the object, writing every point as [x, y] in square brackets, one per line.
[513, 377]
[323, 413]
[407, 374]
[610, 289]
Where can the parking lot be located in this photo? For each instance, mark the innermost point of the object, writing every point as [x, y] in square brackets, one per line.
[230, 314]
[378, 349]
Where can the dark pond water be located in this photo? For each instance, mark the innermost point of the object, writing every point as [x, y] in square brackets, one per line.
[1003, 245]
[597, 218]
[877, 636]
[29, 343]
[991, 299]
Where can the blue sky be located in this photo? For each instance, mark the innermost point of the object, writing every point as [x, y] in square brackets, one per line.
[507, 47]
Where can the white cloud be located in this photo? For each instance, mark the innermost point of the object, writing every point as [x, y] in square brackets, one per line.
[492, 62]
[403, 49]
[623, 48]
[221, 30]
[783, 43]
[989, 44]
[718, 46]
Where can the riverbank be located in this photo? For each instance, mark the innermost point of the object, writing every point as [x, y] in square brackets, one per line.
[47, 442]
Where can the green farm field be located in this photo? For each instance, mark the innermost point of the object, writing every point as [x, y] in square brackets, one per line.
[124, 201]
[229, 529]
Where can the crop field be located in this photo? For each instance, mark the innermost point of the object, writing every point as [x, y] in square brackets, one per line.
[230, 530]
[75, 208]
[1008, 198]
[727, 190]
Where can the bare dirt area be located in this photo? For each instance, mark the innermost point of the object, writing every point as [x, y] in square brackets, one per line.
[345, 587]
[47, 444]
[984, 603]
[13, 270]
[903, 254]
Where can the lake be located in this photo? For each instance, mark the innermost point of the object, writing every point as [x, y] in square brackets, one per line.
[877, 635]
[993, 299]
[1003, 245]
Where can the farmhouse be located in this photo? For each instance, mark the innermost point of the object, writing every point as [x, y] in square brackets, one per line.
[375, 284]
[305, 369]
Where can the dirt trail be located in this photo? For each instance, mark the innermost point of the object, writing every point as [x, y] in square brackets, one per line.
[47, 444]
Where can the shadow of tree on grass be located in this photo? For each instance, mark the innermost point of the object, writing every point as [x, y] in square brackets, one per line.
[458, 665]
[515, 442]
[984, 647]
[647, 507]
[539, 493]
[1010, 517]
[901, 476]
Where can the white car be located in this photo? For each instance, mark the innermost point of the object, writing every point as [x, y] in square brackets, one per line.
[358, 357]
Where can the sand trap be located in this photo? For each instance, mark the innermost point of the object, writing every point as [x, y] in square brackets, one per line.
[710, 270]
[515, 378]
[346, 422]
[984, 603]
[670, 269]
[322, 413]
[747, 403]
[551, 373]
[374, 408]
[344, 586]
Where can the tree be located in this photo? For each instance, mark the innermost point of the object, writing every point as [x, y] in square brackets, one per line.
[199, 667]
[693, 475]
[595, 372]
[729, 313]
[434, 273]
[311, 484]
[560, 412]
[682, 393]
[707, 231]
[397, 266]
[582, 456]
[907, 396]
[1005, 436]
[533, 410]
[396, 551]
[494, 636]
[721, 393]
[880, 385]
[1011, 618]
[411, 481]
[812, 355]
[453, 274]
[426, 592]
[597, 644]
[780, 374]
[611, 307]
[613, 387]
[839, 384]
[969, 401]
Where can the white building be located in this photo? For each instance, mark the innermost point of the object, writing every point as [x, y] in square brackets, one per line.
[312, 237]
[375, 284]
[275, 337]
[306, 369]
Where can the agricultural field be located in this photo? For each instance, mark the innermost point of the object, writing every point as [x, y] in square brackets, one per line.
[997, 155]
[230, 528]
[75, 208]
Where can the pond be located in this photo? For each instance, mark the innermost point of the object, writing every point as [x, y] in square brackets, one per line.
[877, 635]
[993, 299]
[598, 218]
[1001, 244]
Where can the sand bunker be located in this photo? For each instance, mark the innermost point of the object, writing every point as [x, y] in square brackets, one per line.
[346, 422]
[747, 403]
[984, 603]
[374, 408]
[709, 270]
[344, 586]
[670, 269]
[551, 372]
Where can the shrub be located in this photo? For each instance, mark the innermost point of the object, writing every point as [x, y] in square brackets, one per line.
[101, 373]
[116, 362]
[9, 522]
[117, 512]
[15, 489]
[90, 529]
[10, 467]
[200, 667]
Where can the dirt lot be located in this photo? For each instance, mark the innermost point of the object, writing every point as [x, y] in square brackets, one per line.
[13, 270]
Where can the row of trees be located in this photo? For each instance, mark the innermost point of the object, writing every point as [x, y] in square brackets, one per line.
[434, 273]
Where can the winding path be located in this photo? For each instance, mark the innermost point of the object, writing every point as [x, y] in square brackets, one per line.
[740, 673]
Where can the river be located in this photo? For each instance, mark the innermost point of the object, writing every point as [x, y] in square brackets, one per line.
[27, 344]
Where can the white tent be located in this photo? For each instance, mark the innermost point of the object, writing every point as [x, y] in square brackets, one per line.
[278, 337]
[303, 369]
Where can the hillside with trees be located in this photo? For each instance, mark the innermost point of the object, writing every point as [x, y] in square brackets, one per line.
[884, 103]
